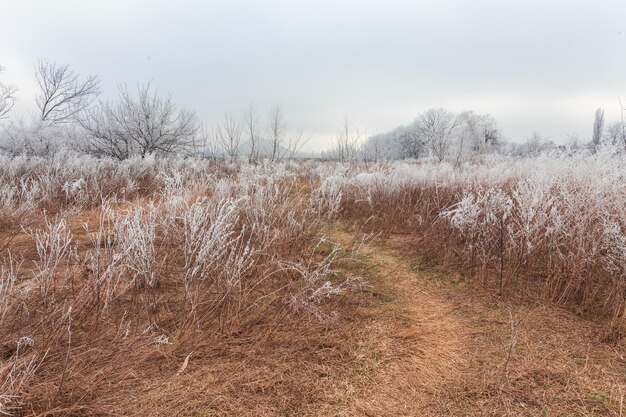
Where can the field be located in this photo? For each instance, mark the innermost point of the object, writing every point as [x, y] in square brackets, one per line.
[201, 287]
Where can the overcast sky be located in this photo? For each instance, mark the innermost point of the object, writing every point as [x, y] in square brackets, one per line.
[542, 65]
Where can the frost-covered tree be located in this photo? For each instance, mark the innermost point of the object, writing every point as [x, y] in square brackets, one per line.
[478, 133]
[276, 132]
[384, 146]
[39, 138]
[439, 132]
[410, 140]
[63, 94]
[535, 144]
[139, 125]
[437, 127]
[7, 97]
[615, 134]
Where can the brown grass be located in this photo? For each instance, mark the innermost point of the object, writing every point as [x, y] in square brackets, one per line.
[569, 270]
[417, 335]
[459, 340]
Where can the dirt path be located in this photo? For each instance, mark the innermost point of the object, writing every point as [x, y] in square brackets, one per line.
[416, 348]
[436, 348]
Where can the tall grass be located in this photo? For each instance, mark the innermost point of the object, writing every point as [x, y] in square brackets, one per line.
[133, 256]
[556, 222]
[139, 257]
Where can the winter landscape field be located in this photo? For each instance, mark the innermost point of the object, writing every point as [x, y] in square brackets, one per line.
[192, 286]
[331, 208]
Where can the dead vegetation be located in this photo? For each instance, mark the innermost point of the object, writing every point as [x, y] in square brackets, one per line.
[505, 356]
[188, 287]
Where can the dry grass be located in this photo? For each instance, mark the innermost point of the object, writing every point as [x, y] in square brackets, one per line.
[552, 227]
[182, 288]
[559, 364]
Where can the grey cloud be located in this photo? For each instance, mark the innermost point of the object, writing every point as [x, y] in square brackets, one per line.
[534, 65]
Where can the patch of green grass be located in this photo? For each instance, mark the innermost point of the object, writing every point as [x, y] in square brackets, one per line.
[600, 396]
[579, 358]
[415, 266]
[360, 365]
[436, 275]
[349, 261]
[383, 296]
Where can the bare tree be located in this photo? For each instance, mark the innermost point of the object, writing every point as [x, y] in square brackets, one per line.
[437, 127]
[276, 132]
[7, 98]
[228, 135]
[370, 152]
[107, 133]
[534, 144]
[63, 95]
[206, 143]
[294, 144]
[399, 143]
[282, 145]
[139, 125]
[614, 134]
[346, 142]
[598, 127]
[573, 141]
[252, 127]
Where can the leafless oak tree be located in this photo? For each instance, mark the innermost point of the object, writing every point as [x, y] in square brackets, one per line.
[7, 98]
[147, 123]
[63, 95]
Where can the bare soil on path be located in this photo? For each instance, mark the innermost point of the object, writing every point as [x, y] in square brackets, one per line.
[438, 347]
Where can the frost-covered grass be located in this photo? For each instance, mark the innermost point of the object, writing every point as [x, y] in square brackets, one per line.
[556, 222]
[102, 258]
[140, 252]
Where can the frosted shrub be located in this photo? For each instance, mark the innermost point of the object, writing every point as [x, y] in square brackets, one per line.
[9, 271]
[328, 196]
[317, 286]
[104, 262]
[75, 191]
[8, 199]
[53, 246]
[555, 222]
[15, 375]
[209, 235]
[482, 219]
[237, 264]
[534, 215]
[135, 235]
